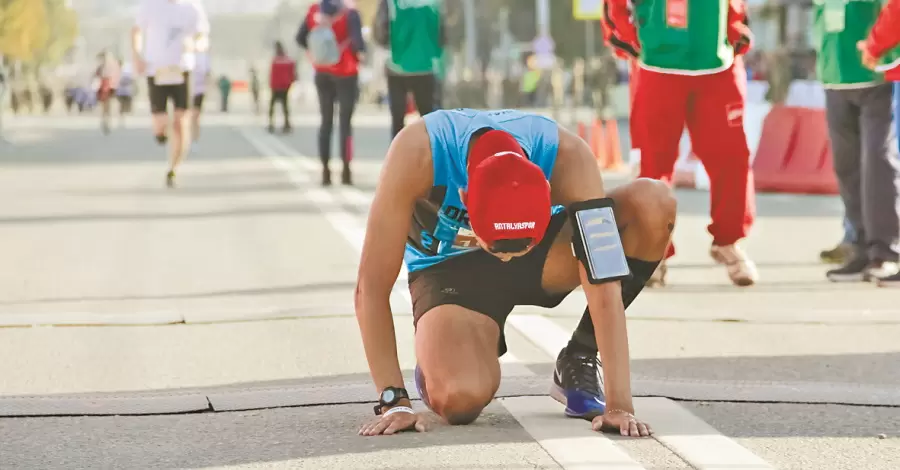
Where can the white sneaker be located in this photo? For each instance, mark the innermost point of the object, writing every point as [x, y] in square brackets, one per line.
[741, 270]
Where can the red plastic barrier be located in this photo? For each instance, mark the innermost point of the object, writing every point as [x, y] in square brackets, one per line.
[794, 153]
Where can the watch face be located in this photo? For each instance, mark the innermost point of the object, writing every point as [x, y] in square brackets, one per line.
[388, 396]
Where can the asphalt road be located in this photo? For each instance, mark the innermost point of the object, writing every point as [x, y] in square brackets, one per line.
[212, 326]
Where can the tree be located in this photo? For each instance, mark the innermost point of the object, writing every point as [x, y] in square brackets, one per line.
[23, 28]
[63, 27]
[36, 31]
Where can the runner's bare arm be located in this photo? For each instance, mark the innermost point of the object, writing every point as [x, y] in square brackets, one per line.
[405, 177]
[576, 177]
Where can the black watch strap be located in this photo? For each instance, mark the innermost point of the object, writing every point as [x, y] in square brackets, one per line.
[390, 396]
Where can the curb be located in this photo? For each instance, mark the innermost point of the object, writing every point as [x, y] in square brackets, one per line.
[331, 392]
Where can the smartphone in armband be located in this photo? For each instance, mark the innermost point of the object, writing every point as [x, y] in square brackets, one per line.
[596, 241]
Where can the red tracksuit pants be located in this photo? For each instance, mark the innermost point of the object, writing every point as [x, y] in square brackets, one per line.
[712, 108]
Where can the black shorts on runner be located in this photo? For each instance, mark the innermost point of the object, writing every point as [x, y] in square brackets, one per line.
[160, 95]
[479, 281]
[198, 101]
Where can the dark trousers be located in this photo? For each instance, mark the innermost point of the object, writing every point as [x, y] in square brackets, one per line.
[423, 89]
[280, 97]
[865, 153]
[344, 92]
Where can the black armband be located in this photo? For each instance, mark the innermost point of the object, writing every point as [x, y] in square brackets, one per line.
[596, 241]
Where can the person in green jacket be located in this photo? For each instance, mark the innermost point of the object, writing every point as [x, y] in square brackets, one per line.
[689, 72]
[864, 147]
[414, 32]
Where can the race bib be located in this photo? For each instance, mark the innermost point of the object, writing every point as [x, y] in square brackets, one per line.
[677, 13]
[169, 76]
[835, 18]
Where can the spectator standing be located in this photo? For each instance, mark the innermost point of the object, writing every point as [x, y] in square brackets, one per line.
[224, 92]
[882, 46]
[282, 75]
[414, 32]
[331, 34]
[864, 147]
[689, 72]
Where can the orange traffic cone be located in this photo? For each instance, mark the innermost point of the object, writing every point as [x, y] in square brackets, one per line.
[582, 131]
[613, 148]
[598, 145]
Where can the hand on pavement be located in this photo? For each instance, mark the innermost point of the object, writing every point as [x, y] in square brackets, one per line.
[394, 423]
[868, 59]
[623, 422]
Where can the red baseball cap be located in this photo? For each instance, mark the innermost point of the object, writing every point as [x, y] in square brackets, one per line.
[508, 196]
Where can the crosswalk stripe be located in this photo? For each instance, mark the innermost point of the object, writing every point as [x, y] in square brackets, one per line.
[693, 439]
[676, 428]
[571, 443]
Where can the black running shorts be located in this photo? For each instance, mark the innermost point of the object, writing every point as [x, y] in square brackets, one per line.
[198, 101]
[160, 95]
[479, 281]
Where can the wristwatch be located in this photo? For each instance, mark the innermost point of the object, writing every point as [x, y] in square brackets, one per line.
[390, 396]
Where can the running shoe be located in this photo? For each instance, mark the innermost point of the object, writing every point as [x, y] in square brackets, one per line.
[741, 270]
[890, 281]
[170, 179]
[840, 254]
[577, 384]
[854, 270]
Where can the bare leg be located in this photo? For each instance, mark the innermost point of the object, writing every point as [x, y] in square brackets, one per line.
[180, 138]
[456, 350]
[106, 111]
[160, 125]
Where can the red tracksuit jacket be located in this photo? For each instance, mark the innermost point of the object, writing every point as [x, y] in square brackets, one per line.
[885, 35]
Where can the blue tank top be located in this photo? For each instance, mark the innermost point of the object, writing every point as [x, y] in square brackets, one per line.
[440, 226]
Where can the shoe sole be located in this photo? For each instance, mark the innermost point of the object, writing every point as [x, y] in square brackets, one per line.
[558, 394]
[855, 277]
[891, 283]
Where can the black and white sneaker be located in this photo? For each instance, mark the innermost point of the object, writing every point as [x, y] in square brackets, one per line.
[577, 384]
[855, 270]
[882, 270]
[890, 281]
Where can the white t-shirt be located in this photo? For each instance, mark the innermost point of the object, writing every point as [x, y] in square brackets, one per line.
[169, 28]
[200, 75]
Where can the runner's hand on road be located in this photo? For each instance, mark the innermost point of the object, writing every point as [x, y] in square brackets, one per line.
[394, 423]
[622, 421]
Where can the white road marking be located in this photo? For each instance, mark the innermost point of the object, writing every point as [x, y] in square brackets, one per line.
[572, 443]
[300, 170]
[692, 439]
[543, 332]
[676, 428]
